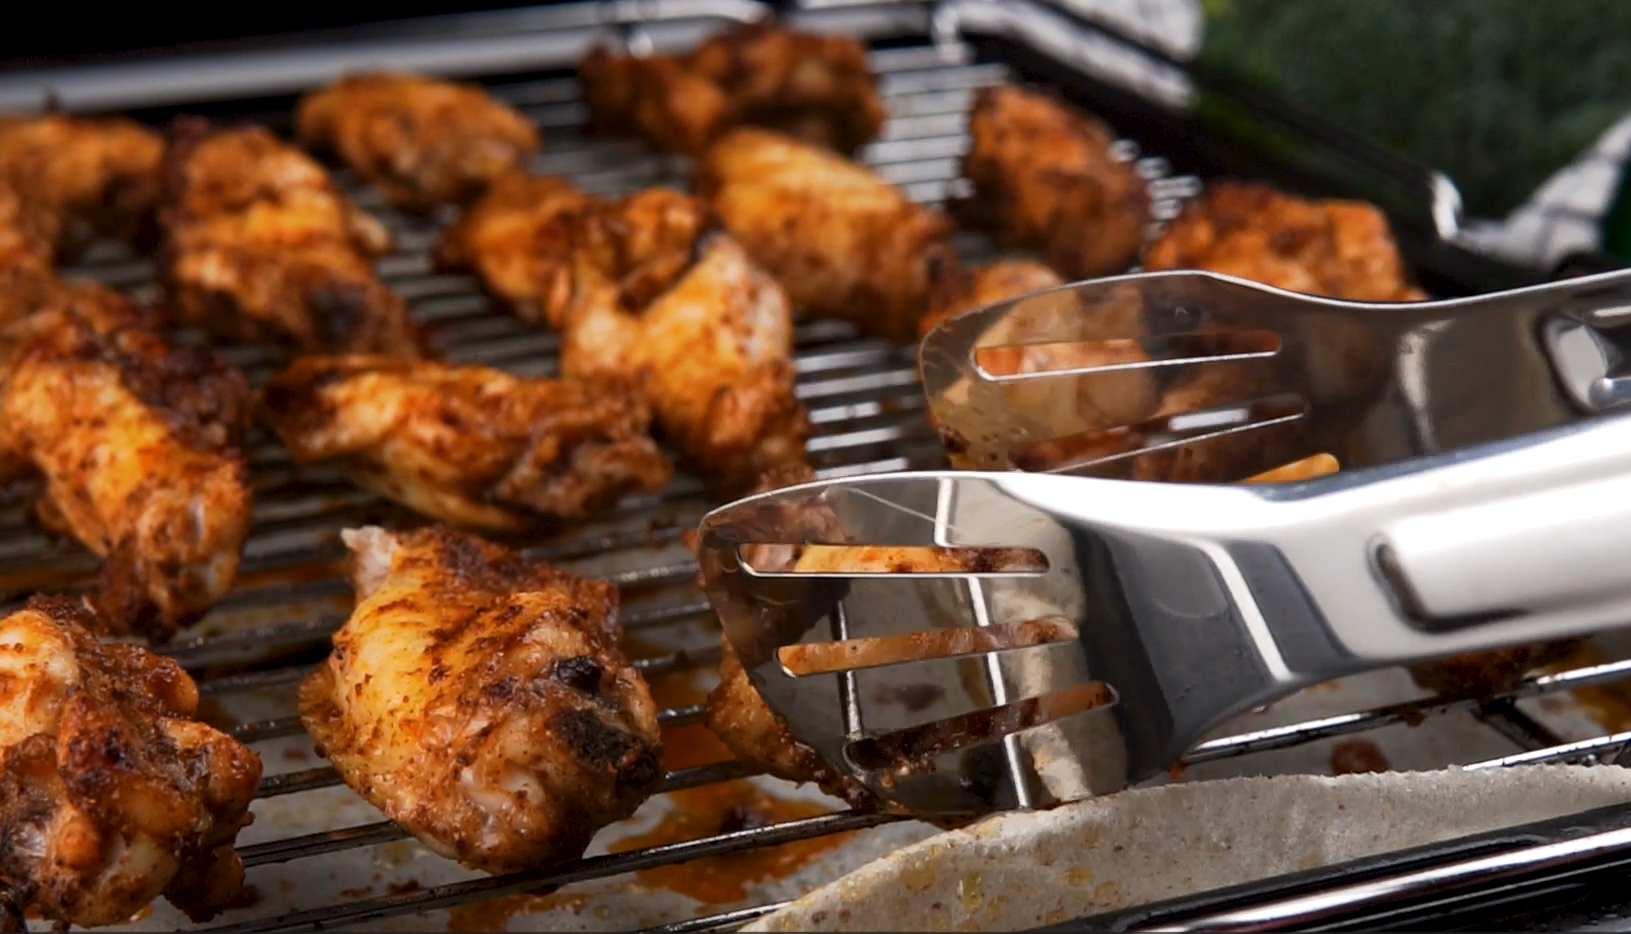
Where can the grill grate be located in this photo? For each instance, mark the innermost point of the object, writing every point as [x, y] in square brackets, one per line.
[867, 416]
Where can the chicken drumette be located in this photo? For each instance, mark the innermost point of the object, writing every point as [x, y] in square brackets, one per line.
[1045, 180]
[469, 445]
[842, 241]
[110, 792]
[424, 142]
[816, 87]
[80, 177]
[641, 290]
[137, 444]
[261, 246]
[481, 700]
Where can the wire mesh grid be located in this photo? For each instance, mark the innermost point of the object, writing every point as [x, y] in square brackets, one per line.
[867, 415]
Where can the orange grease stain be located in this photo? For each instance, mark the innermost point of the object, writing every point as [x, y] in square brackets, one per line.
[1608, 704]
[495, 914]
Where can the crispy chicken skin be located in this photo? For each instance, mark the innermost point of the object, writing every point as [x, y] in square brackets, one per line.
[1044, 180]
[137, 444]
[31, 292]
[481, 700]
[816, 87]
[1340, 249]
[82, 176]
[422, 141]
[110, 792]
[468, 445]
[844, 243]
[262, 247]
[965, 289]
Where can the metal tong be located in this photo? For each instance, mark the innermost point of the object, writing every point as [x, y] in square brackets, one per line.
[966, 641]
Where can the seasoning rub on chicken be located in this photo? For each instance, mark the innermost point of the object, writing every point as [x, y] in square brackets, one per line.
[481, 700]
[78, 178]
[422, 141]
[262, 247]
[110, 792]
[468, 445]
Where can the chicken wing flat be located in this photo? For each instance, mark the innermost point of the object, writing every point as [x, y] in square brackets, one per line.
[468, 445]
[110, 792]
[1045, 180]
[843, 243]
[137, 444]
[481, 700]
[1339, 249]
[262, 247]
[422, 141]
[83, 177]
[819, 88]
[965, 289]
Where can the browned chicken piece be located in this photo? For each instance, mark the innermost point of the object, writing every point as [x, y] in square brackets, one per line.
[1339, 249]
[1045, 180]
[31, 290]
[468, 445]
[819, 88]
[137, 444]
[641, 290]
[423, 141]
[262, 247]
[965, 289]
[83, 176]
[843, 242]
[111, 794]
[481, 700]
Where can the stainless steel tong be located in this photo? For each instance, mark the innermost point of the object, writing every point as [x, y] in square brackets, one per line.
[967, 641]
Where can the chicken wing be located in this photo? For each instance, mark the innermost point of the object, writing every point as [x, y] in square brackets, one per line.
[1045, 180]
[959, 290]
[262, 247]
[82, 176]
[481, 700]
[640, 289]
[1339, 249]
[137, 444]
[424, 142]
[110, 792]
[843, 243]
[819, 88]
[468, 445]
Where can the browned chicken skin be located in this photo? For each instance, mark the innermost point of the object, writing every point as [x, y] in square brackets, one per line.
[965, 289]
[262, 247]
[423, 141]
[844, 243]
[110, 792]
[641, 290]
[816, 87]
[80, 177]
[1044, 180]
[469, 445]
[137, 444]
[482, 702]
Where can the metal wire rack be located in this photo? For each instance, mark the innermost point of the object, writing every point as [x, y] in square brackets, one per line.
[867, 414]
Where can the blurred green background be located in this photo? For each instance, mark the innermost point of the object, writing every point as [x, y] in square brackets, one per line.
[1497, 93]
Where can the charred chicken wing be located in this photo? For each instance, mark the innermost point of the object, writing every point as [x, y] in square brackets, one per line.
[469, 445]
[424, 142]
[262, 247]
[137, 444]
[481, 700]
[843, 242]
[816, 87]
[1045, 180]
[81, 177]
[110, 792]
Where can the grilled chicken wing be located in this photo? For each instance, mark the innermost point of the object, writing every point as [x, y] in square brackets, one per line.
[469, 445]
[262, 247]
[81, 177]
[31, 291]
[959, 290]
[816, 87]
[481, 701]
[137, 444]
[640, 289]
[1045, 180]
[843, 242]
[110, 792]
[424, 142]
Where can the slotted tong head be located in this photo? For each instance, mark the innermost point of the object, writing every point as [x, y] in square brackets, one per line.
[1007, 639]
